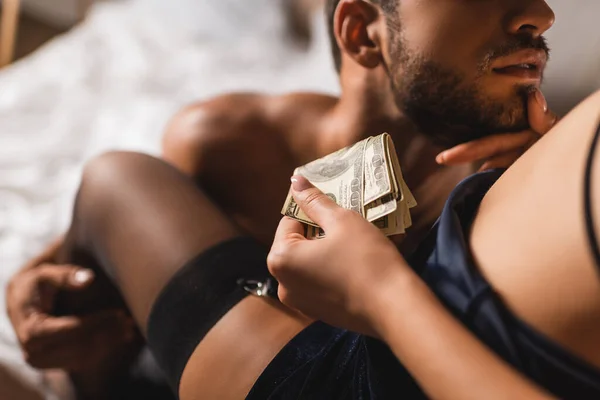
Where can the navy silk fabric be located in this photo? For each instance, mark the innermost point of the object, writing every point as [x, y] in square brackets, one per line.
[328, 363]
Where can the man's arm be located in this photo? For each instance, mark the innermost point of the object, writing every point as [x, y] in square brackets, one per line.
[183, 139]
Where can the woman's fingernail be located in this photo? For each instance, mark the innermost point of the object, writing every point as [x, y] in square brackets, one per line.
[440, 158]
[300, 183]
[83, 276]
[539, 96]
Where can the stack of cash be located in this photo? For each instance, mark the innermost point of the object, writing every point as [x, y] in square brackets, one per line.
[365, 178]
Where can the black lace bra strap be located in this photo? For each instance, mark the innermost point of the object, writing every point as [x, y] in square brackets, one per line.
[587, 198]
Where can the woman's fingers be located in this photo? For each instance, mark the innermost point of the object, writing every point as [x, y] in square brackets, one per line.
[486, 148]
[541, 118]
[502, 160]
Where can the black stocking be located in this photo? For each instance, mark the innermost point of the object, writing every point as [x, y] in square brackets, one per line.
[137, 221]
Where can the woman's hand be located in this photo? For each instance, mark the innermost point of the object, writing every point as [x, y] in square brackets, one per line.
[502, 150]
[356, 279]
[332, 279]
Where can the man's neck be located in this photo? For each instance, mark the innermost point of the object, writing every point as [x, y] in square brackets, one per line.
[360, 113]
[363, 111]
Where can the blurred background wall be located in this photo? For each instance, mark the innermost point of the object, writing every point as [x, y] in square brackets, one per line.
[574, 69]
[57, 13]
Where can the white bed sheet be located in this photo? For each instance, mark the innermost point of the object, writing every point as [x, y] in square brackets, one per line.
[113, 83]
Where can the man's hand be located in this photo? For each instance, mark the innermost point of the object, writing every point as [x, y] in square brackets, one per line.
[331, 279]
[502, 150]
[72, 343]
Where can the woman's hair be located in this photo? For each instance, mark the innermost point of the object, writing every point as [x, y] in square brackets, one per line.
[388, 7]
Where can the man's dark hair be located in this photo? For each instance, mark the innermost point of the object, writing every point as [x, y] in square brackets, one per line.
[388, 7]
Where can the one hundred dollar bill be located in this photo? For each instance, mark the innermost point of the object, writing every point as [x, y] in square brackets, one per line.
[339, 175]
[365, 178]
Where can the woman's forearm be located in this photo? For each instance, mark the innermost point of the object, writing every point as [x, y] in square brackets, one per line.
[447, 360]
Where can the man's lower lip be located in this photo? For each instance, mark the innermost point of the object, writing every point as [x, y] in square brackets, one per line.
[520, 73]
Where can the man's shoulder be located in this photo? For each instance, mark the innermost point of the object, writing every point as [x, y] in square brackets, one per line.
[237, 114]
[221, 116]
[204, 127]
[238, 117]
[232, 122]
[234, 113]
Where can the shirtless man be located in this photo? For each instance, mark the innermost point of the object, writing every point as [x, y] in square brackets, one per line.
[274, 134]
[226, 143]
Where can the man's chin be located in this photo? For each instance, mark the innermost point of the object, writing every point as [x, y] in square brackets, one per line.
[468, 113]
[514, 117]
[449, 135]
[505, 114]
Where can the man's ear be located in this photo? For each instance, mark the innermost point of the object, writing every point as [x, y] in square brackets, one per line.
[358, 30]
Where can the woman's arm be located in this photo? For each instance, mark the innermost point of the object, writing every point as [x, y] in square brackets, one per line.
[355, 277]
[446, 359]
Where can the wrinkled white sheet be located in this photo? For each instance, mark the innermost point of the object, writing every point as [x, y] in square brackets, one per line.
[113, 83]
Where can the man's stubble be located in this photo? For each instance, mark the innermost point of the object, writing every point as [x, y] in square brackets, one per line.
[445, 105]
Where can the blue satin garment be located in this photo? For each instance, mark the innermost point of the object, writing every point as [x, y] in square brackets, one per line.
[323, 362]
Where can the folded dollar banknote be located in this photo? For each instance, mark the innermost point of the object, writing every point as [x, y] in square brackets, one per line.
[365, 178]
